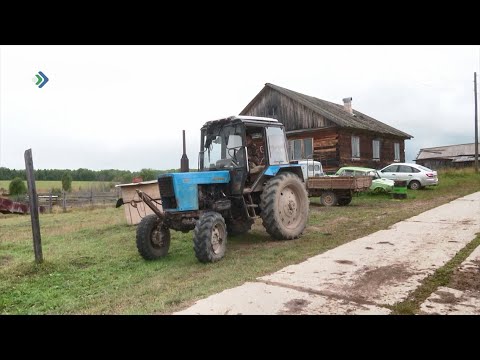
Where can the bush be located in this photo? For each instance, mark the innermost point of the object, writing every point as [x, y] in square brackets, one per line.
[67, 182]
[17, 187]
[56, 191]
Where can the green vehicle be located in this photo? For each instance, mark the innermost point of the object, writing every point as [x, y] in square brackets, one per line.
[379, 184]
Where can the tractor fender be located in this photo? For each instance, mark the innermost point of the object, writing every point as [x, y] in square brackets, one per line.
[277, 169]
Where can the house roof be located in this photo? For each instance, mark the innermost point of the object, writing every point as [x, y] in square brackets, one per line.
[333, 112]
[447, 152]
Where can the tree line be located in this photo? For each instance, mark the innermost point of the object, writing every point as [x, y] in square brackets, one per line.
[113, 175]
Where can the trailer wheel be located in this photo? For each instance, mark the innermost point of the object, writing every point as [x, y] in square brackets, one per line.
[344, 201]
[284, 204]
[153, 239]
[210, 237]
[328, 198]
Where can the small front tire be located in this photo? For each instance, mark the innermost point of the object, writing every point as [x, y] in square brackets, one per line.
[153, 238]
[210, 237]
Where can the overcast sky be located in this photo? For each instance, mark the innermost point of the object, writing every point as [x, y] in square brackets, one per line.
[124, 107]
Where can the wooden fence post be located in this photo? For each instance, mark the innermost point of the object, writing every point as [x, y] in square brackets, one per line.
[32, 194]
[91, 197]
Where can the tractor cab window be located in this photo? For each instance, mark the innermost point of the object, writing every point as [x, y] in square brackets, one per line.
[223, 149]
[277, 149]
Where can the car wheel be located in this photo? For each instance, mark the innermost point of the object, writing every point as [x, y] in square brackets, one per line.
[414, 185]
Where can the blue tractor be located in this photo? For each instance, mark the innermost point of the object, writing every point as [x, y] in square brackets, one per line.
[229, 191]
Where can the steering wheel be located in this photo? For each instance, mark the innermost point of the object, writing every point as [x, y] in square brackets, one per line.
[261, 150]
[234, 156]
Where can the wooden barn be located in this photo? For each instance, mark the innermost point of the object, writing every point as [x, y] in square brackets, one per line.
[334, 134]
[461, 155]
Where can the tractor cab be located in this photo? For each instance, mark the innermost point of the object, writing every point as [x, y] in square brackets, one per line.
[248, 147]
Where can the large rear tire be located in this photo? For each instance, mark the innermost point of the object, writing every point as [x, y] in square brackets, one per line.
[210, 237]
[284, 204]
[153, 239]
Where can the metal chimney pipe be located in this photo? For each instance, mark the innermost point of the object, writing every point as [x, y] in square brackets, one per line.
[184, 167]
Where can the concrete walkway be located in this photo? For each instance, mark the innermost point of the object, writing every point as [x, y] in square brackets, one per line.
[465, 300]
[364, 275]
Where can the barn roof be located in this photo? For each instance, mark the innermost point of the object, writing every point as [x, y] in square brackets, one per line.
[333, 112]
[447, 152]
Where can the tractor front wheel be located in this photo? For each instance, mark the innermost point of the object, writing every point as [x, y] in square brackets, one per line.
[153, 238]
[210, 237]
[284, 204]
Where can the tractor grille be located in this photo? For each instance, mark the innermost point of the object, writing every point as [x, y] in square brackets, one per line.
[167, 192]
[166, 186]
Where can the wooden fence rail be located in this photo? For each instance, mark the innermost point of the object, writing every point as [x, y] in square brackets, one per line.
[76, 199]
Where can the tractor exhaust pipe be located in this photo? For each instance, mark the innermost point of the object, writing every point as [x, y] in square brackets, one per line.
[184, 167]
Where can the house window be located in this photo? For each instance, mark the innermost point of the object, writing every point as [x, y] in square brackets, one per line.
[376, 149]
[301, 149]
[355, 147]
[272, 112]
[396, 147]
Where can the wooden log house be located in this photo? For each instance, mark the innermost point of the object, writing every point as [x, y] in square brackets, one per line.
[334, 134]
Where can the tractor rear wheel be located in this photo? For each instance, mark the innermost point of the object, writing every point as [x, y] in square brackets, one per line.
[284, 204]
[153, 239]
[210, 237]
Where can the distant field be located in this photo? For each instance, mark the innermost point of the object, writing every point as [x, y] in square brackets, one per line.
[46, 186]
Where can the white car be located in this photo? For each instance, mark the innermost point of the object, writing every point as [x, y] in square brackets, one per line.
[416, 176]
[311, 168]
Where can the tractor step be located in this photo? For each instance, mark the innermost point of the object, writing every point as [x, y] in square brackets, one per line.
[250, 206]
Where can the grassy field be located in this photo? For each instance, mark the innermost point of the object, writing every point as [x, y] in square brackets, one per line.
[46, 186]
[92, 265]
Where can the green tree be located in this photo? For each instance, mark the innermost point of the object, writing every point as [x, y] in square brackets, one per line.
[148, 174]
[67, 182]
[17, 187]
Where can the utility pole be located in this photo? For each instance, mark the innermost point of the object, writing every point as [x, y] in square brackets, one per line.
[476, 123]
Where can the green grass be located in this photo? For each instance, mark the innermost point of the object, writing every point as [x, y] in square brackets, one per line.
[92, 265]
[46, 186]
[441, 277]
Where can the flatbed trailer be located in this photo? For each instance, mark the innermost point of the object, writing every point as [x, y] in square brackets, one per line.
[337, 190]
